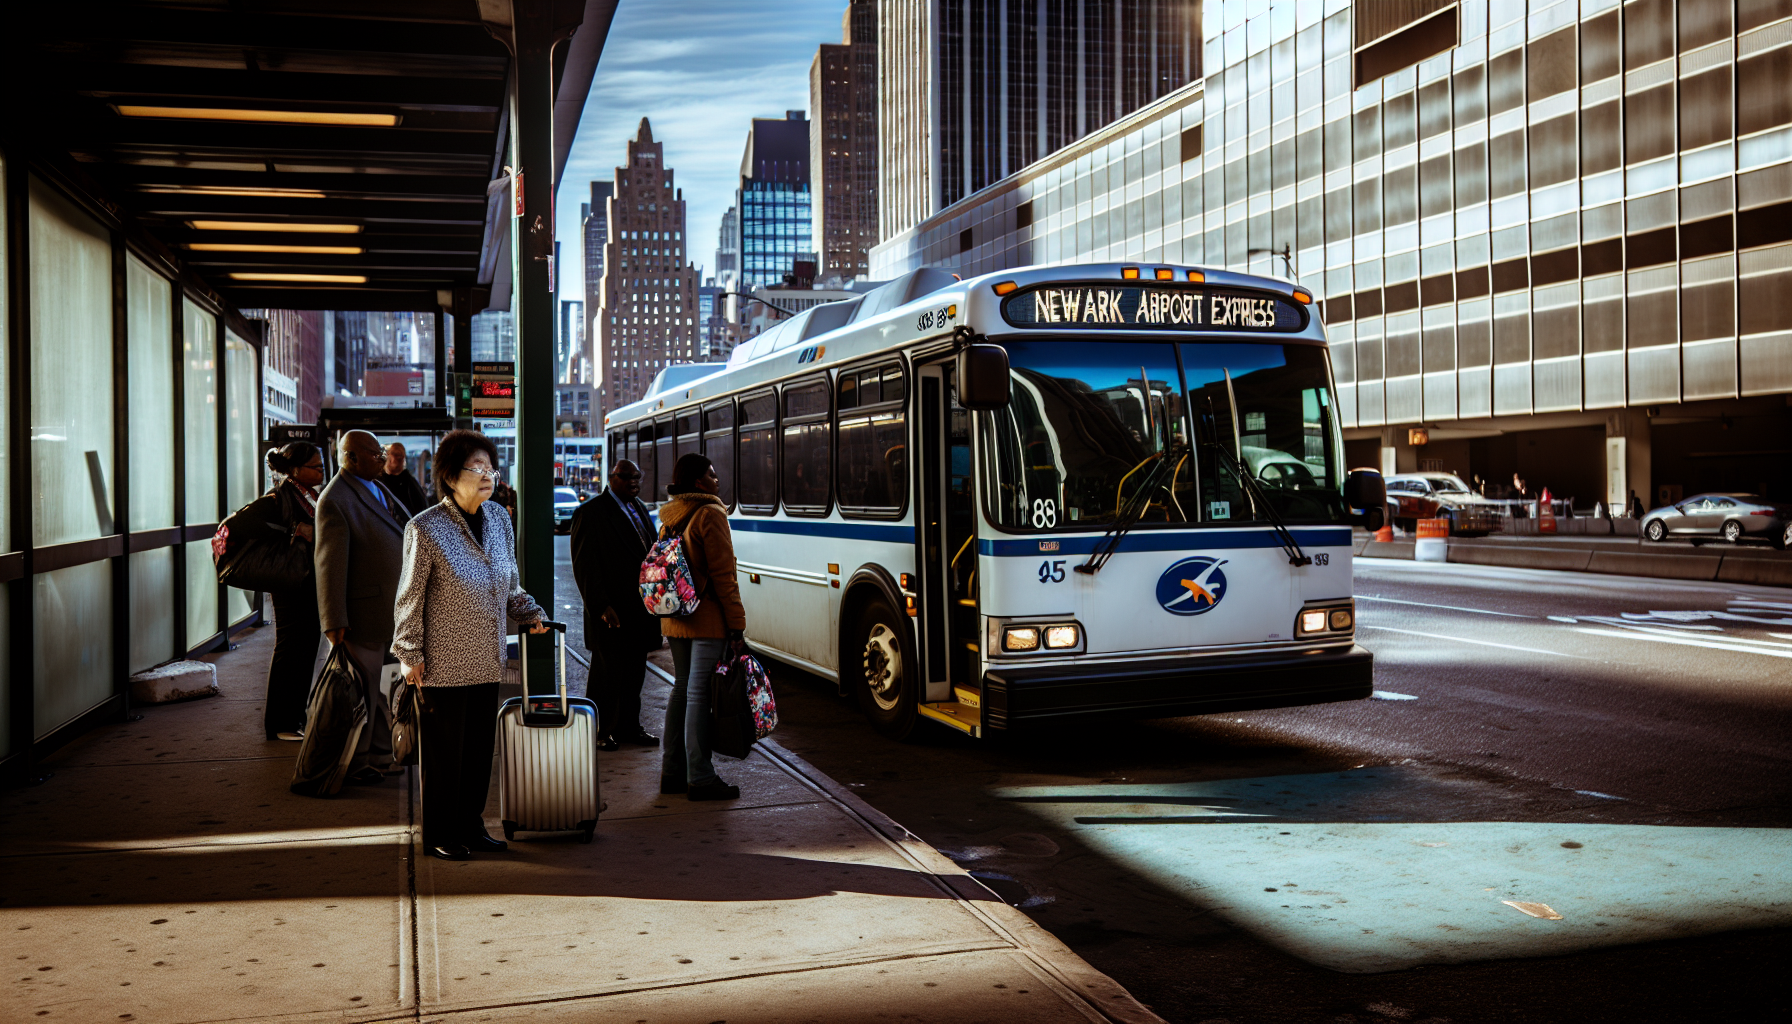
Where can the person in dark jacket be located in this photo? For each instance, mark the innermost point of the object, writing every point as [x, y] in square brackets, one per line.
[610, 536]
[696, 512]
[459, 592]
[399, 480]
[291, 513]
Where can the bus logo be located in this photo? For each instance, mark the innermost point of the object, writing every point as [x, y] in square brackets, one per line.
[1192, 586]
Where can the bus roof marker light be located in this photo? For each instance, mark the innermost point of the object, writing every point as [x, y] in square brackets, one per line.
[1302, 296]
[1196, 276]
[1130, 273]
[1005, 287]
[1165, 274]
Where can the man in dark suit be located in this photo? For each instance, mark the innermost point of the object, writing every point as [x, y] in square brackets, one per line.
[611, 534]
[399, 481]
[360, 552]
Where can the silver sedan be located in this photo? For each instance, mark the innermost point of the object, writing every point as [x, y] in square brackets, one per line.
[1727, 515]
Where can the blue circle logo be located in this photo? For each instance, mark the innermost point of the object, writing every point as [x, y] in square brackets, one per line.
[1192, 586]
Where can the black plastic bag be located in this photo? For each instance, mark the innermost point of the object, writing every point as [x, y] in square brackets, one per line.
[333, 724]
[407, 722]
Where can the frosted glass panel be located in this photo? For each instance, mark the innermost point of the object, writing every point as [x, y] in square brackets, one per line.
[152, 607]
[202, 593]
[199, 362]
[242, 421]
[149, 299]
[6, 538]
[73, 652]
[71, 380]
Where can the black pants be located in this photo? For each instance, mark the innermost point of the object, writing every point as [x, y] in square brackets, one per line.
[296, 633]
[459, 725]
[617, 672]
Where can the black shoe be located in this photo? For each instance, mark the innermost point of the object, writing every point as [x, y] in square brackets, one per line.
[672, 787]
[449, 851]
[607, 742]
[482, 843]
[643, 739]
[717, 790]
[368, 776]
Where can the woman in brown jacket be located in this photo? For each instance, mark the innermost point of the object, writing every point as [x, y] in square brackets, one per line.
[698, 640]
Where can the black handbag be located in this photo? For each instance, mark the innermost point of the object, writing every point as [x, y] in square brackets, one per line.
[264, 556]
[731, 728]
[333, 724]
[407, 722]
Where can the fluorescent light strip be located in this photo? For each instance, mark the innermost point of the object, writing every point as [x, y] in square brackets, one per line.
[281, 226]
[320, 250]
[227, 190]
[261, 116]
[303, 278]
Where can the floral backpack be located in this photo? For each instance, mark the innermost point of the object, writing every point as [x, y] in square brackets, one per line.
[667, 587]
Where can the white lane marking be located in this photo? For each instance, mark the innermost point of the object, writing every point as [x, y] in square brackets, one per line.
[1720, 636]
[1571, 620]
[1688, 641]
[1483, 643]
[1451, 607]
[1594, 792]
[1783, 636]
[1391, 695]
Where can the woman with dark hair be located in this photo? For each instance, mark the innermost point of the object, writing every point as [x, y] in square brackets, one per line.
[698, 640]
[458, 590]
[289, 514]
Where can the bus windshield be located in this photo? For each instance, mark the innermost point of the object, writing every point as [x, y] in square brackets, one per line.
[1090, 421]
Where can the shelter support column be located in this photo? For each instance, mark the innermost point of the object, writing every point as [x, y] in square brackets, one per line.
[1627, 458]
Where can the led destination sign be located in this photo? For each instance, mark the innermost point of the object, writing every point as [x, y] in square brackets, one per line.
[1143, 308]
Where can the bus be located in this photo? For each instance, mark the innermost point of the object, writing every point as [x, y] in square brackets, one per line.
[576, 463]
[1047, 494]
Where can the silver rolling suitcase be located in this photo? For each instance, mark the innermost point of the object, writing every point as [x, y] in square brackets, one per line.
[547, 753]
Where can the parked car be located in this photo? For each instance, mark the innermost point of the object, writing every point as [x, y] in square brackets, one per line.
[566, 502]
[1729, 515]
[1442, 496]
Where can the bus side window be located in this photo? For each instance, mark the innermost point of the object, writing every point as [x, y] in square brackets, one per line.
[758, 454]
[718, 444]
[807, 448]
[644, 459]
[873, 471]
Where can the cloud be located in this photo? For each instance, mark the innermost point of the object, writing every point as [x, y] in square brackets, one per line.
[699, 71]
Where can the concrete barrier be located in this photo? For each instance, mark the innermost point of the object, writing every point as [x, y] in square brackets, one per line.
[1388, 549]
[1772, 572]
[1514, 556]
[1655, 563]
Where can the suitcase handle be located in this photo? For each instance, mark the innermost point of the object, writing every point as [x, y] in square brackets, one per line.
[535, 714]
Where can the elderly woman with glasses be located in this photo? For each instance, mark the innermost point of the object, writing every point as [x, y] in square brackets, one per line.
[458, 593]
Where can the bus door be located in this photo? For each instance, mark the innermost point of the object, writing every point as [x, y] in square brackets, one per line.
[947, 551]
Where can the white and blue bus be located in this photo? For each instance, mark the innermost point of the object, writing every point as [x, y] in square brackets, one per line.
[1044, 494]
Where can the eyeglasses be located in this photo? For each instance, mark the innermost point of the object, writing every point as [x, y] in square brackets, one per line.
[489, 474]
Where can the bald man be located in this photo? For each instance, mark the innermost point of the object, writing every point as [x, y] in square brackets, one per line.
[360, 548]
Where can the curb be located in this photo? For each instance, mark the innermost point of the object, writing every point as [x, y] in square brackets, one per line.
[1099, 994]
[1668, 563]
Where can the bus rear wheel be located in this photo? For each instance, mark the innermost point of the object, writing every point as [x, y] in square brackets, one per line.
[885, 672]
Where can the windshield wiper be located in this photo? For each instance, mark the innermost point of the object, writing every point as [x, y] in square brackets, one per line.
[1133, 509]
[1296, 557]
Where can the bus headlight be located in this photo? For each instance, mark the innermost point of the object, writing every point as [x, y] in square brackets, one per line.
[1020, 638]
[1060, 638]
[1329, 619]
[1341, 618]
[1312, 622]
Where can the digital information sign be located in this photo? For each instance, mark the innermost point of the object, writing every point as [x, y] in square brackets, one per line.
[1134, 307]
[493, 394]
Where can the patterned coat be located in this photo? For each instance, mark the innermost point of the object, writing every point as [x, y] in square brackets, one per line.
[454, 596]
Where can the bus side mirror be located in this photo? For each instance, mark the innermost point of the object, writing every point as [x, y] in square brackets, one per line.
[1368, 491]
[983, 377]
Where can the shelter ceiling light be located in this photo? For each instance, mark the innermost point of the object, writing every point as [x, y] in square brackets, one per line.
[320, 250]
[261, 116]
[303, 278]
[261, 225]
[234, 190]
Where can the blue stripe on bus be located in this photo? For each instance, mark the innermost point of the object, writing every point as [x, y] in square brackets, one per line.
[1184, 540]
[823, 528]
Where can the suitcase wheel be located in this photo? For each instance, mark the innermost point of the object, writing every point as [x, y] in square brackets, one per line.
[586, 830]
[509, 831]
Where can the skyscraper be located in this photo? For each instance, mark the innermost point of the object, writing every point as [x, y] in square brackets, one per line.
[647, 318]
[843, 144]
[773, 201]
[1014, 81]
[595, 220]
[728, 250]
[570, 344]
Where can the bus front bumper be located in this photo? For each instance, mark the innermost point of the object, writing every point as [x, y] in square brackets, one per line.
[1172, 687]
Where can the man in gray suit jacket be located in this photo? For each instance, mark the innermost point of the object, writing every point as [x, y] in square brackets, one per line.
[360, 551]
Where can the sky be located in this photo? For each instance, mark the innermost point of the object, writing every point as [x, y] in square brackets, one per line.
[699, 71]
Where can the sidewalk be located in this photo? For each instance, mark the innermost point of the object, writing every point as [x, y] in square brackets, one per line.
[1617, 556]
[165, 874]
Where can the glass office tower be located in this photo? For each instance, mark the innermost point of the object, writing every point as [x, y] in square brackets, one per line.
[1557, 233]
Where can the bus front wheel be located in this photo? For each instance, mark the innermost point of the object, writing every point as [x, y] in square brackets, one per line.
[886, 669]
